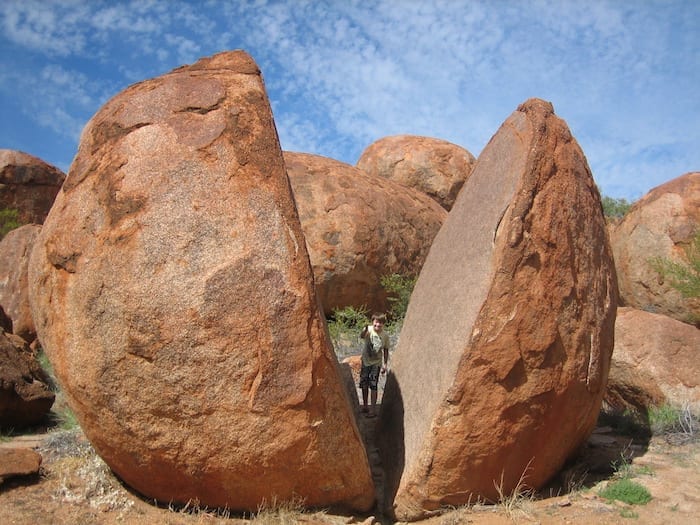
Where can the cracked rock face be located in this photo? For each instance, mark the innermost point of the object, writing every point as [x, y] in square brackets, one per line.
[505, 350]
[173, 293]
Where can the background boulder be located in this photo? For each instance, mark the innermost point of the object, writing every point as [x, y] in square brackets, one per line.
[15, 249]
[28, 185]
[505, 350]
[435, 167]
[359, 228]
[173, 293]
[660, 224]
[655, 361]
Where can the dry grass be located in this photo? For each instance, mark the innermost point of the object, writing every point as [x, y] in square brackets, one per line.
[517, 503]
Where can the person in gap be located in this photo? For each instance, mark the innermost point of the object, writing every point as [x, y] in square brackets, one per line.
[375, 359]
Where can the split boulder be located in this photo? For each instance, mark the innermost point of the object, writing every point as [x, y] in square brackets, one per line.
[661, 224]
[359, 228]
[505, 350]
[433, 166]
[173, 293]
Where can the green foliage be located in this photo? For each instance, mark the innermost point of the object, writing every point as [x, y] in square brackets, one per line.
[627, 491]
[615, 208]
[347, 320]
[683, 277]
[6, 435]
[9, 220]
[398, 288]
[669, 419]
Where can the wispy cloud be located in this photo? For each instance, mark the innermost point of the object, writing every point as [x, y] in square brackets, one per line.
[343, 74]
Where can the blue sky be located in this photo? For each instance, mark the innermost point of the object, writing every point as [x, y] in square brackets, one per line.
[624, 74]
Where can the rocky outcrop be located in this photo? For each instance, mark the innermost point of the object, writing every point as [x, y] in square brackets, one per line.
[661, 224]
[505, 350]
[25, 397]
[359, 228]
[655, 361]
[436, 167]
[172, 290]
[15, 249]
[28, 185]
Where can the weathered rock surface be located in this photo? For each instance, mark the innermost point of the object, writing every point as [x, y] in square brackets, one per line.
[505, 350]
[25, 397]
[359, 228]
[656, 360]
[28, 185]
[15, 249]
[660, 224]
[436, 167]
[173, 293]
[16, 462]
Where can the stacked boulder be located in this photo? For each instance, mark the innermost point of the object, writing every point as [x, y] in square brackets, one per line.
[504, 354]
[433, 166]
[189, 340]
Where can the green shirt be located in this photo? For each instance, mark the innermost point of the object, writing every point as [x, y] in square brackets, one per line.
[379, 341]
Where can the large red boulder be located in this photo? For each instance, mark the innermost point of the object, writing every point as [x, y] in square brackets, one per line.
[28, 185]
[505, 350]
[25, 395]
[173, 293]
[662, 224]
[359, 228]
[15, 249]
[436, 167]
[655, 362]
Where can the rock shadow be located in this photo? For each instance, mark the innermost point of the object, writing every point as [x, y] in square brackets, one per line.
[390, 440]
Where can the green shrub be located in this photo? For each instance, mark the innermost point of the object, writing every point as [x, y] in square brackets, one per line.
[615, 208]
[398, 288]
[9, 220]
[669, 419]
[348, 320]
[627, 491]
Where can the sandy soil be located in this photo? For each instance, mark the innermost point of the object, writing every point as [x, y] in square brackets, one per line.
[75, 486]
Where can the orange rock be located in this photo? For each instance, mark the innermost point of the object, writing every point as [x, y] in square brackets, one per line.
[18, 462]
[25, 397]
[655, 361]
[661, 224]
[359, 228]
[436, 167]
[505, 350]
[173, 293]
[28, 185]
[15, 249]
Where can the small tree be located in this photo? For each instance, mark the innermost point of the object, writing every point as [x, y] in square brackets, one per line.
[683, 277]
[399, 289]
[615, 208]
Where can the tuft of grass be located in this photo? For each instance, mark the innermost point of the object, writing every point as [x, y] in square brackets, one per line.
[279, 512]
[6, 435]
[518, 500]
[627, 491]
[673, 422]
